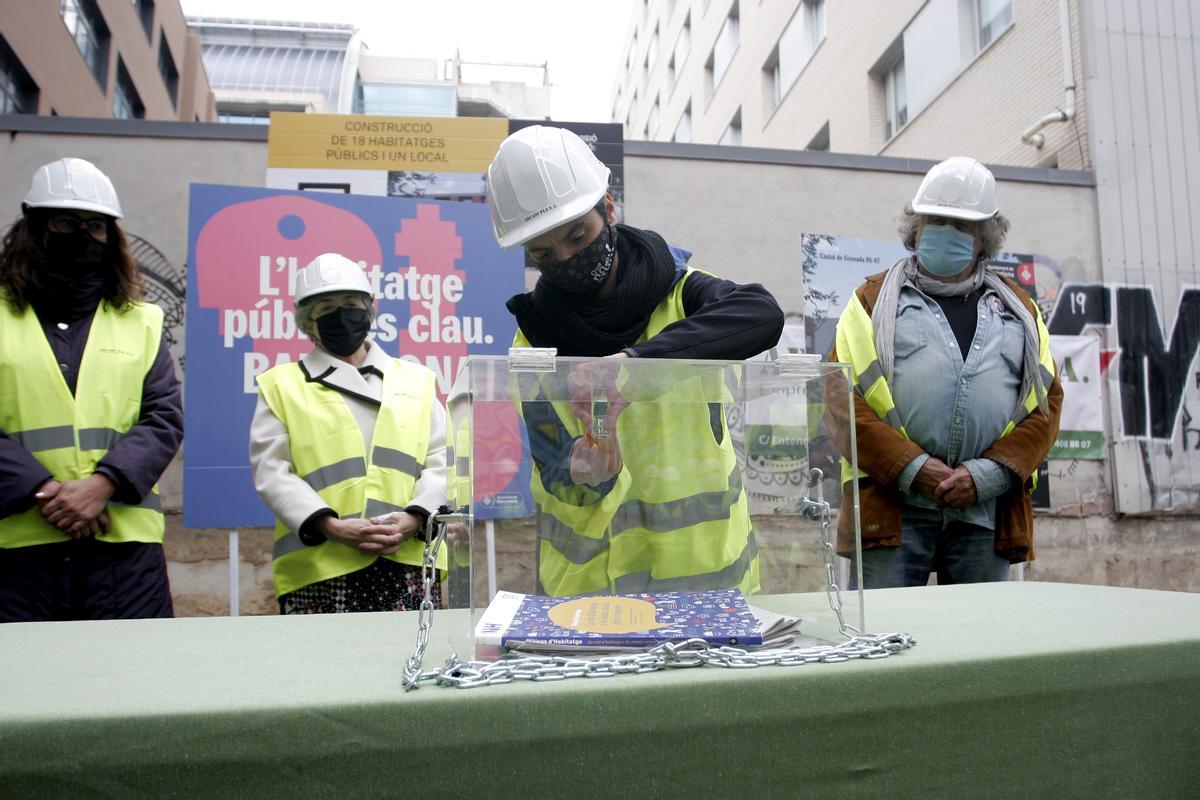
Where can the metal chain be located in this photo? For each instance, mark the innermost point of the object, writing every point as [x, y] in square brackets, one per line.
[668, 655]
[832, 591]
[435, 534]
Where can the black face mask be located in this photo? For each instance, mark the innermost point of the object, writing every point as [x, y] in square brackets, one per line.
[586, 271]
[343, 330]
[71, 255]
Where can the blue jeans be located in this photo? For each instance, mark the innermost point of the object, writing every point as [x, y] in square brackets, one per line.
[962, 553]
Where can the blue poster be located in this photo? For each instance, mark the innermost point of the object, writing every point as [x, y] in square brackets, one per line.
[440, 282]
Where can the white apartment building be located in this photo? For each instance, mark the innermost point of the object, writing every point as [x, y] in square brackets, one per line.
[908, 78]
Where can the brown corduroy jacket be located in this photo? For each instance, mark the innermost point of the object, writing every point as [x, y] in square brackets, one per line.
[883, 453]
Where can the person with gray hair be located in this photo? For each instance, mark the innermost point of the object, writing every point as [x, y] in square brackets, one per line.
[956, 396]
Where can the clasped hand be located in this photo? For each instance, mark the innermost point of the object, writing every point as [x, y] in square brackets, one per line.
[947, 487]
[377, 536]
[76, 507]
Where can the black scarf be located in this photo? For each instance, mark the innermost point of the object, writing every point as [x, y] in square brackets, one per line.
[68, 300]
[585, 325]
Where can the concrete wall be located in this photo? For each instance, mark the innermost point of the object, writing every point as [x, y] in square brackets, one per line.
[742, 218]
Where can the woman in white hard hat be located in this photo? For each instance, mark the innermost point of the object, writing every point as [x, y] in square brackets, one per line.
[663, 490]
[957, 399]
[348, 448]
[90, 414]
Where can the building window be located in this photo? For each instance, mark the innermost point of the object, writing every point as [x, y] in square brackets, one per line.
[398, 100]
[682, 44]
[87, 28]
[243, 118]
[166, 68]
[18, 92]
[652, 121]
[629, 116]
[895, 100]
[994, 16]
[126, 103]
[725, 47]
[145, 11]
[629, 56]
[733, 133]
[800, 39]
[652, 50]
[683, 129]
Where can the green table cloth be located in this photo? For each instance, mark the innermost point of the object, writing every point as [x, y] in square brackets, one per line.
[1013, 690]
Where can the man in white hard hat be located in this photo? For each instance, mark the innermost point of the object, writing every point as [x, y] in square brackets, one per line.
[348, 448]
[663, 489]
[957, 398]
[91, 414]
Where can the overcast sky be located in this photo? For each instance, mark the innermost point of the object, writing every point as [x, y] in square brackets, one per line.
[583, 40]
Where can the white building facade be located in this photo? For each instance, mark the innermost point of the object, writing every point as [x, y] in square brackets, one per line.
[908, 78]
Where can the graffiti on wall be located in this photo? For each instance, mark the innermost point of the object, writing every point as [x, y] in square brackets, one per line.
[1154, 385]
[1154, 370]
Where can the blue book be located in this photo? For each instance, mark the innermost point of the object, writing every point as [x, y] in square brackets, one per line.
[614, 622]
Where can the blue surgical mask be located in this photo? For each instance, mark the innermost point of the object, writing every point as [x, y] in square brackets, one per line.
[944, 250]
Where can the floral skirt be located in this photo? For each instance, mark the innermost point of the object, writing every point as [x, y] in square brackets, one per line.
[384, 585]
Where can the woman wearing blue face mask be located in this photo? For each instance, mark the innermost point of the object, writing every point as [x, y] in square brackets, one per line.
[958, 398]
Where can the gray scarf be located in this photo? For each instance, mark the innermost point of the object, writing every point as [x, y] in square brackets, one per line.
[905, 271]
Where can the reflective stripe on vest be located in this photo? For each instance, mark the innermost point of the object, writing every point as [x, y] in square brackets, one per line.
[328, 453]
[69, 434]
[683, 523]
[856, 346]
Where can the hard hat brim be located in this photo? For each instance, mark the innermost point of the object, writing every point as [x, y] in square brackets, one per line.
[77, 205]
[304, 298]
[553, 218]
[935, 210]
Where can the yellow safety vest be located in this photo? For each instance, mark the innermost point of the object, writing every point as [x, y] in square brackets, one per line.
[677, 517]
[69, 434]
[329, 454]
[856, 346]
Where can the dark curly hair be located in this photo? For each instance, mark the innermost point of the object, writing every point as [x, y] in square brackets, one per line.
[23, 270]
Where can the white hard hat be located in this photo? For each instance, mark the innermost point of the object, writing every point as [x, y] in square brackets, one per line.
[540, 178]
[73, 183]
[959, 187]
[331, 272]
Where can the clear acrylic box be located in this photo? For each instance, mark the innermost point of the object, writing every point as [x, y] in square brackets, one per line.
[617, 476]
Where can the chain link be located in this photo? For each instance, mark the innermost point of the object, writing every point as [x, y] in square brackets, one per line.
[668, 655]
[435, 535]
